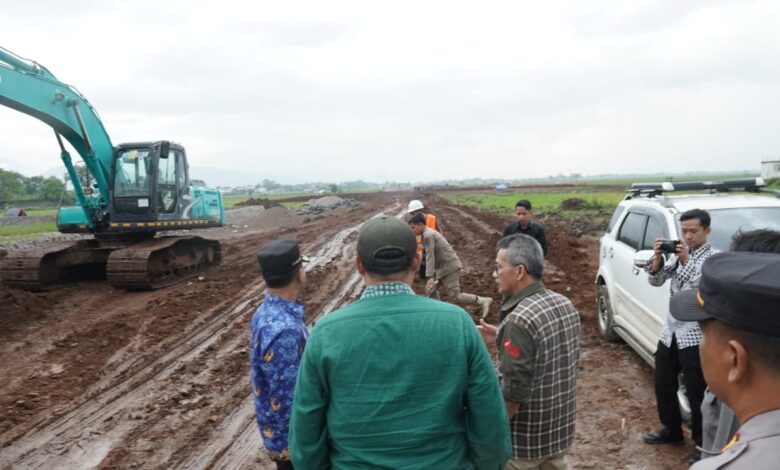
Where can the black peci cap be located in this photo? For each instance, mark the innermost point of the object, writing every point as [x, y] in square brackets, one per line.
[279, 257]
[741, 289]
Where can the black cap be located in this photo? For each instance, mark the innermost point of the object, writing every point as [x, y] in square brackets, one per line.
[386, 245]
[741, 289]
[279, 257]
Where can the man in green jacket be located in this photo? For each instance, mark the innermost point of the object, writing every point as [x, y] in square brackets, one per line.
[395, 380]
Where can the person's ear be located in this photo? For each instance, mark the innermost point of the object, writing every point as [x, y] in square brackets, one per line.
[416, 261]
[300, 275]
[359, 266]
[707, 230]
[738, 361]
[521, 272]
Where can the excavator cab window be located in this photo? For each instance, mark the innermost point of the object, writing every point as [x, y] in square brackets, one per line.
[131, 173]
[167, 181]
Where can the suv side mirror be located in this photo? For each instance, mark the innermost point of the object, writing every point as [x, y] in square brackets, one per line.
[642, 258]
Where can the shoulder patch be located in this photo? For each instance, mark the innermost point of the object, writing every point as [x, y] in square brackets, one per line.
[513, 351]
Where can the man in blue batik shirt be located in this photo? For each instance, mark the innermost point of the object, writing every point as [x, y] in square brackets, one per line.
[278, 337]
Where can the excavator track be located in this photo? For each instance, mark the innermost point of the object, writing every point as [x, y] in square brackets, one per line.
[55, 266]
[160, 262]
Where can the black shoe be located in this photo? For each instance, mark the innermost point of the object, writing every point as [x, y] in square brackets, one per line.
[695, 457]
[663, 436]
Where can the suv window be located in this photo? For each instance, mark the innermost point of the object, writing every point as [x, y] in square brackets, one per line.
[655, 229]
[633, 230]
[618, 212]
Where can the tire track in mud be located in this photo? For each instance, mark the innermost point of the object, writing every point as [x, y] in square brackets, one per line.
[86, 435]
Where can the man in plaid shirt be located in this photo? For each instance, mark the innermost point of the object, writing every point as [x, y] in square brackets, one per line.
[538, 353]
[678, 348]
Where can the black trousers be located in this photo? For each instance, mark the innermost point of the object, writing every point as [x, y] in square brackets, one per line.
[669, 363]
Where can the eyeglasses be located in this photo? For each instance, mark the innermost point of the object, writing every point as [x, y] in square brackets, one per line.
[499, 267]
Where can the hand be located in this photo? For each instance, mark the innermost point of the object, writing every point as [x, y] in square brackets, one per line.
[658, 256]
[657, 247]
[487, 331]
[430, 285]
[682, 252]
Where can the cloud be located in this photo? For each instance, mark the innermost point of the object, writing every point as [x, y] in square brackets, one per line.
[414, 91]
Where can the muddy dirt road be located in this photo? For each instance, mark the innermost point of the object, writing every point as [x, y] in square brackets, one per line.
[94, 377]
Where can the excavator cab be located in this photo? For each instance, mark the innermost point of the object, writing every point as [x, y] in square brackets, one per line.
[150, 182]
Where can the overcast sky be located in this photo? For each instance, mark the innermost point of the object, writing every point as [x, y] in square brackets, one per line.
[413, 91]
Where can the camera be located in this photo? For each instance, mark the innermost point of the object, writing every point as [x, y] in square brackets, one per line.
[669, 246]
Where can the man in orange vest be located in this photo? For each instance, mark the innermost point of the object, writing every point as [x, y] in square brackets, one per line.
[416, 207]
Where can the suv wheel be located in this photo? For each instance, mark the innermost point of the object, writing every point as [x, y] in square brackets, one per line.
[604, 320]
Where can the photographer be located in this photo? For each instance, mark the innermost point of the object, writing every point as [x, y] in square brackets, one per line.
[678, 348]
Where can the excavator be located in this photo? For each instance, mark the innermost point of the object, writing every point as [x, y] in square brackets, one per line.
[135, 192]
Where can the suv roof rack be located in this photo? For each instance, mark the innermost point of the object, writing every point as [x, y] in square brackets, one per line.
[657, 189]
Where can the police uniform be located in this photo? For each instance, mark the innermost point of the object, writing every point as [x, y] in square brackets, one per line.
[741, 290]
[756, 446]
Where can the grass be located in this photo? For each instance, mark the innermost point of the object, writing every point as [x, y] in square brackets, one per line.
[542, 200]
[293, 204]
[25, 232]
[41, 212]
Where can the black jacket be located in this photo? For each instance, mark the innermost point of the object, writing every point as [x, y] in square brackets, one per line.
[535, 230]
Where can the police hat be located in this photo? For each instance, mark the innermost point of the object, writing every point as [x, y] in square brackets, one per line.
[280, 257]
[386, 245]
[741, 289]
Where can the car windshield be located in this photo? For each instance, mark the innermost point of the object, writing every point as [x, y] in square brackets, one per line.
[727, 222]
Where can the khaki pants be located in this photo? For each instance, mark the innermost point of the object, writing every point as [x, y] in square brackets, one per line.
[451, 285]
[556, 462]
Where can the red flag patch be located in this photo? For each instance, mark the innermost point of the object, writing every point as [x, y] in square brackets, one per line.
[514, 352]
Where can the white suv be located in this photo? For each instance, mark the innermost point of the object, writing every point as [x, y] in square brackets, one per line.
[628, 307]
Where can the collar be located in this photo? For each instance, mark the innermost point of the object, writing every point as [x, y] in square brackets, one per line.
[510, 303]
[294, 308]
[387, 288]
[700, 250]
[763, 425]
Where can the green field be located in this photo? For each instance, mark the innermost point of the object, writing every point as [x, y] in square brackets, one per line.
[41, 212]
[23, 232]
[542, 200]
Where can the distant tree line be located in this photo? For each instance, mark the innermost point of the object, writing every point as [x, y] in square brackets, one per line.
[15, 186]
[271, 186]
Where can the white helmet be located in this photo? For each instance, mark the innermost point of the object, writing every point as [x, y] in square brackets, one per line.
[414, 205]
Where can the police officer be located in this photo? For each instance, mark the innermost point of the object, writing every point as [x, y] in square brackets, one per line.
[737, 306]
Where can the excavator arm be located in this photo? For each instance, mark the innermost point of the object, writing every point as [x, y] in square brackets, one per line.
[31, 89]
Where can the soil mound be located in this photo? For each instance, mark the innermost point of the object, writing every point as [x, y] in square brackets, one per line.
[20, 306]
[267, 203]
[327, 203]
[275, 217]
[574, 204]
